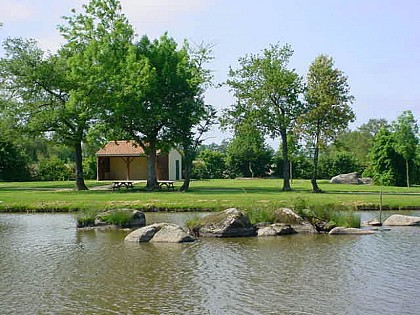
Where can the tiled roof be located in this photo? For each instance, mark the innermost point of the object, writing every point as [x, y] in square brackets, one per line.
[121, 148]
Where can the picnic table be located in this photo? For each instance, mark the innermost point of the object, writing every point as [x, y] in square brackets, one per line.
[168, 183]
[124, 183]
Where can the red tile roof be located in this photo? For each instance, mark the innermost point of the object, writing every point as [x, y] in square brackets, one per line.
[121, 148]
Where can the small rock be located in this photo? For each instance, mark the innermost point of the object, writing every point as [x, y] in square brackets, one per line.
[349, 231]
[275, 230]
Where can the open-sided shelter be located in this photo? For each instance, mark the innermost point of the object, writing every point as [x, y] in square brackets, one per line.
[125, 160]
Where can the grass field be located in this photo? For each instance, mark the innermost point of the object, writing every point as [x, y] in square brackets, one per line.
[203, 195]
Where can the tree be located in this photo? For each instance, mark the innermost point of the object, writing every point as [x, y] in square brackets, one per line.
[59, 94]
[328, 98]
[211, 164]
[247, 154]
[406, 139]
[386, 164]
[267, 92]
[158, 93]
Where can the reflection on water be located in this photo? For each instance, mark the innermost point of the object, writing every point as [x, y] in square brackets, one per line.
[48, 267]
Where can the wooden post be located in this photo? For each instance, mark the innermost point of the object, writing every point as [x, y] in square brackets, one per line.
[380, 206]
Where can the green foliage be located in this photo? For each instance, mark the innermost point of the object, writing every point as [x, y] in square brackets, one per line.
[328, 97]
[338, 163]
[259, 215]
[13, 163]
[267, 94]
[119, 218]
[53, 169]
[247, 155]
[86, 218]
[209, 164]
[386, 164]
[89, 167]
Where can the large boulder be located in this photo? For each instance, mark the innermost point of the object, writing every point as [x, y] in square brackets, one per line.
[349, 231]
[172, 233]
[350, 178]
[276, 229]
[229, 223]
[402, 220]
[160, 233]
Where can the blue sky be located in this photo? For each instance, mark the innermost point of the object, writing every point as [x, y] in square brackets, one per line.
[375, 42]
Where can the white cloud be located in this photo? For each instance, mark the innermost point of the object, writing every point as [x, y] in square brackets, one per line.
[12, 11]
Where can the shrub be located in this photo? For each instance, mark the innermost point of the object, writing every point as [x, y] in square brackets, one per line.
[52, 169]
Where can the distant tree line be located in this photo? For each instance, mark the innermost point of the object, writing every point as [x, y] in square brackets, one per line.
[58, 109]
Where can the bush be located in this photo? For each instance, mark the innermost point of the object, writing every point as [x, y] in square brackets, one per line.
[53, 169]
[14, 164]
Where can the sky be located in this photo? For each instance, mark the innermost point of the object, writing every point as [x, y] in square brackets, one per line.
[376, 43]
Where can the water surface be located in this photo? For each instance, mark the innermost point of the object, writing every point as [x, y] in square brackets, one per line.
[49, 267]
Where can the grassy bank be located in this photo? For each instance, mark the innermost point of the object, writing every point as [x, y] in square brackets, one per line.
[204, 195]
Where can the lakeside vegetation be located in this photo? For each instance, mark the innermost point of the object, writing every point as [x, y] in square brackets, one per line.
[204, 195]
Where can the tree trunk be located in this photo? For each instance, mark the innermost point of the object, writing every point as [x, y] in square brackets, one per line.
[407, 173]
[151, 170]
[286, 167]
[250, 169]
[187, 172]
[80, 182]
[315, 187]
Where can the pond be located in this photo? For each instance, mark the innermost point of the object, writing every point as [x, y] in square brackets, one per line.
[47, 266]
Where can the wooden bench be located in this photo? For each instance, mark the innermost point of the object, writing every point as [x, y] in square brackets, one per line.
[168, 183]
[118, 184]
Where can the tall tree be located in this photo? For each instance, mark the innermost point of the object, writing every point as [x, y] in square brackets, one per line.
[328, 98]
[406, 139]
[59, 94]
[267, 92]
[159, 89]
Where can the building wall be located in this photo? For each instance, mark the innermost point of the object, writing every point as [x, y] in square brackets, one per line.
[175, 156]
[138, 168]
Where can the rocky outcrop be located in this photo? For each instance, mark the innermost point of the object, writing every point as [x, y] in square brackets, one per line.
[349, 231]
[160, 233]
[402, 220]
[296, 222]
[350, 178]
[229, 223]
[276, 230]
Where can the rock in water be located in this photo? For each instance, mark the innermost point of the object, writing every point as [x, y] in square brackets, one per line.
[160, 233]
[229, 223]
[402, 220]
[171, 233]
[275, 230]
[349, 231]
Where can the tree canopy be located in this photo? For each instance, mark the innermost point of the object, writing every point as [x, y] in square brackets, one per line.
[267, 92]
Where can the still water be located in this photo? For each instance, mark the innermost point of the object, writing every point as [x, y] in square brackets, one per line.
[48, 267]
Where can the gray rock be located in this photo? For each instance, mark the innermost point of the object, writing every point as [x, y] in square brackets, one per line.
[143, 234]
[372, 222]
[350, 178]
[304, 228]
[229, 223]
[402, 220]
[287, 216]
[275, 230]
[349, 231]
[171, 233]
[160, 233]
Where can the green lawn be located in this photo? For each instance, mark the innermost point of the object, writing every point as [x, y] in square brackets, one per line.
[204, 195]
